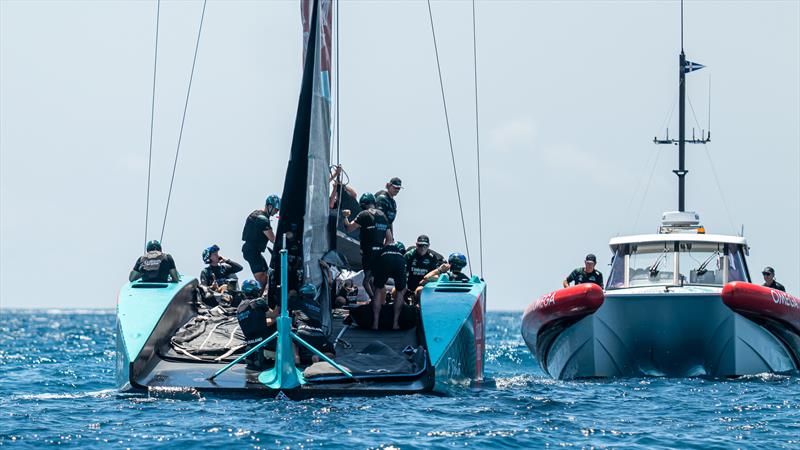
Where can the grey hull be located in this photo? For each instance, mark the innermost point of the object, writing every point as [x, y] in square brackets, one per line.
[672, 335]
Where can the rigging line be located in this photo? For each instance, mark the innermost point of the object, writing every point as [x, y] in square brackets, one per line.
[450, 137]
[338, 99]
[646, 190]
[477, 132]
[152, 117]
[719, 188]
[639, 182]
[338, 130]
[183, 119]
[671, 111]
[691, 107]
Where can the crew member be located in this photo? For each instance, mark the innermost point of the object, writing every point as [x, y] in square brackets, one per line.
[769, 279]
[585, 274]
[452, 268]
[257, 232]
[374, 232]
[419, 262]
[390, 264]
[307, 323]
[384, 199]
[154, 266]
[257, 321]
[220, 270]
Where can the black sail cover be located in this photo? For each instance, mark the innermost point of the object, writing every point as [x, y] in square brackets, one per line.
[304, 202]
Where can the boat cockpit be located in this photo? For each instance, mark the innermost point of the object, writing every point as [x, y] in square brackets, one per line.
[680, 254]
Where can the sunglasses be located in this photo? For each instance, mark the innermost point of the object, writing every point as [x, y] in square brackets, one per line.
[766, 274]
[422, 245]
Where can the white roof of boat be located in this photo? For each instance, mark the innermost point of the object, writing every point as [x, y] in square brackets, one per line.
[685, 237]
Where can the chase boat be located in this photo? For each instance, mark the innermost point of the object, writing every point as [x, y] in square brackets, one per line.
[678, 303]
[170, 338]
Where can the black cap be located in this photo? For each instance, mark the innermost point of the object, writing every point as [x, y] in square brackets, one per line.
[591, 257]
[423, 240]
[768, 270]
[396, 182]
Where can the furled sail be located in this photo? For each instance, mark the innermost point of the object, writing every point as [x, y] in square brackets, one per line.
[304, 203]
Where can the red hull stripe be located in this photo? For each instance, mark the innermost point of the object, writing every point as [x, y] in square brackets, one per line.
[762, 301]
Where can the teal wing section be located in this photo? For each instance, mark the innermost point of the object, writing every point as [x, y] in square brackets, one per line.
[139, 308]
[453, 318]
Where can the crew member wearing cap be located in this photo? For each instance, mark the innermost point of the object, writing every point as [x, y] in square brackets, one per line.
[585, 274]
[384, 199]
[769, 279]
[220, 270]
[419, 262]
[256, 233]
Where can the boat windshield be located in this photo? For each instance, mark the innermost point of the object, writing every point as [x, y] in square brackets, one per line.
[677, 263]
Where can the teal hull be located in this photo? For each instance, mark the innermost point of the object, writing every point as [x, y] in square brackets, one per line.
[148, 315]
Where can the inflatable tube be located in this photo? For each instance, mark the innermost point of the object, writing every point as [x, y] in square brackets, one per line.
[568, 303]
[761, 301]
[362, 316]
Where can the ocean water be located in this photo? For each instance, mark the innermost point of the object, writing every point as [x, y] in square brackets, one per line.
[57, 388]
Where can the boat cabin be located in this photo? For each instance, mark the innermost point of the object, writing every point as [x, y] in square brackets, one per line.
[679, 254]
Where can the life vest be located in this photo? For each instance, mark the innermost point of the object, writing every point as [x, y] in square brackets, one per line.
[253, 231]
[150, 265]
[252, 317]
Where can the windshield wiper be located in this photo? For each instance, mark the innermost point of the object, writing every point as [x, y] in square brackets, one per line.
[702, 269]
[654, 268]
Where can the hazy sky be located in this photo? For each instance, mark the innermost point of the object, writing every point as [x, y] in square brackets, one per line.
[571, 95]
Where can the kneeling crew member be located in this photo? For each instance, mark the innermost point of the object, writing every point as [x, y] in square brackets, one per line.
[420, 262]
[452, 268]
[257, 232]
[256, 320]
[307, 323]
[390, 264]
[374, 231]
[154, 266]
[585, 274]
[769, 279]
[220, 270]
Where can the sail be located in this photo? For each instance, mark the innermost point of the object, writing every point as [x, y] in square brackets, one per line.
[304, 202]
[315, 233]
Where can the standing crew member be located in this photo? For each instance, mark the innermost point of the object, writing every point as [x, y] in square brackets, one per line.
[390, 264]
[384, 199]
[769, 279]
[154, 266]
[220, 270]
[419, 262]
[585, 274]
[257, 232]
[374, 231]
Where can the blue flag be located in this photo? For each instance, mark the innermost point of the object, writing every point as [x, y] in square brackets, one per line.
[691, 66]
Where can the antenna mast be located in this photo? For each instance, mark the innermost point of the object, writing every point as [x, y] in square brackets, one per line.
[684, 67]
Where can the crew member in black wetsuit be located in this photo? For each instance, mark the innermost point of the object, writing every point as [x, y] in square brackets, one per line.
[154, 266]
[307, 323]
[374, 231]
[256, 320]
[769, 279]
[390, 264]
[585, 274]
[257, 232]
[220, 270]
[419, 262]
[384, 199]
[452, 268]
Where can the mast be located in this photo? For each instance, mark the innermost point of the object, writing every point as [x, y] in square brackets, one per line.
[684, 67]
[681, 172]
